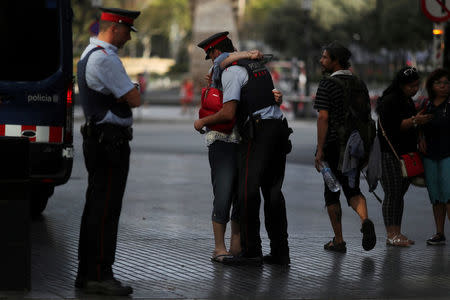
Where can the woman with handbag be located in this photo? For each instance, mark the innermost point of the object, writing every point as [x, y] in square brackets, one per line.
[398, 121]
[435, 145]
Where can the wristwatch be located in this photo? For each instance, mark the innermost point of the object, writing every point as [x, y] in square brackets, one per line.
[414, 122]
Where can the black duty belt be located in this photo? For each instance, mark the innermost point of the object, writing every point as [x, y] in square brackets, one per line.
[106, 132]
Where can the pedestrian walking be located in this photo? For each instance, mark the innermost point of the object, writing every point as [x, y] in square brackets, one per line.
[107, 96]
[248, 95]
[399, 120]
[333, 126]
[434, 143]
[186, 95]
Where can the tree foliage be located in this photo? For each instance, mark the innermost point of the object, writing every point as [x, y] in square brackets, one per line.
[395, 25]
[330, 13]
[164, 21]
[161, 20]
[291, 30]
[372, 24]
[84, 15]
[159, 15]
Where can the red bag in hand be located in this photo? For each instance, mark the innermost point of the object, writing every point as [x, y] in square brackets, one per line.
[411, 164]
[211, 103]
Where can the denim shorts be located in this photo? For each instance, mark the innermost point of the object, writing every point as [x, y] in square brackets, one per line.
[437, 176]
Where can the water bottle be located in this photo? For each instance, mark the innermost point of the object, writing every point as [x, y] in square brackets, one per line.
[329, 178]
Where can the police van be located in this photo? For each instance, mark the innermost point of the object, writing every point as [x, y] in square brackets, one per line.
[36, 89]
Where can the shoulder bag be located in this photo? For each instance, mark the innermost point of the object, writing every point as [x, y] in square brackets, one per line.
[410, 163]
[212, 102]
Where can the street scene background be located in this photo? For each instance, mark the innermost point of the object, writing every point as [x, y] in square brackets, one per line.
[165, 238]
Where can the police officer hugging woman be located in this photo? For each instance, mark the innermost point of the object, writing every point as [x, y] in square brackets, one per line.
[250, 159]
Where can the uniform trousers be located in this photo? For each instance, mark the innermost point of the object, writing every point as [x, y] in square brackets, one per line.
[107, 165]
[262, 162]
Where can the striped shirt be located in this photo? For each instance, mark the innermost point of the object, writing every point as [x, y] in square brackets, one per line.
[330, 97]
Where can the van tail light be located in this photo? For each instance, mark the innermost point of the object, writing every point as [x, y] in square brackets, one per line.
[69, 94]
[68, 137]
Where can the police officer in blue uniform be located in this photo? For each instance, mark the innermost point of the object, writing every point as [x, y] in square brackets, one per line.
[248, 94]
[107, 96]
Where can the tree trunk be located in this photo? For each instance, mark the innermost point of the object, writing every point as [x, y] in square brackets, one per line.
[147, 45]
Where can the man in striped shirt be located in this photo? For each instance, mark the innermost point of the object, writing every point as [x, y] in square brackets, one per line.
[329, 103]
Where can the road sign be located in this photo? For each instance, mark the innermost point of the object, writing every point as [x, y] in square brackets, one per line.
[436, 10]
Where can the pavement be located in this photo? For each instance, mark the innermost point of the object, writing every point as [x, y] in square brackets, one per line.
[165, 239]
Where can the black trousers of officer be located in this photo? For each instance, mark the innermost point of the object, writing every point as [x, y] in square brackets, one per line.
[107, 164]
[262, 162]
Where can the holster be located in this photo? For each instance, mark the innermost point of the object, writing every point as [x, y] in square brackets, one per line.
[87, 130]
[287, 132]
[112, 138]
[113, 134]
[247, 129]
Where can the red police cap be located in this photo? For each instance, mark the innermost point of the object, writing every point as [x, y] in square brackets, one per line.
[121, 16]
[212, 41]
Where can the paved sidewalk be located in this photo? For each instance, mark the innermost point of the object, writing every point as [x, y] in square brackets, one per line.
[165, 242]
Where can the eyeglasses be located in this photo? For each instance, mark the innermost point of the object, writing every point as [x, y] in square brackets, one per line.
[445, 82]
[410, 71]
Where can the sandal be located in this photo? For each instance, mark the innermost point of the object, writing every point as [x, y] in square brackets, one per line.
[333, 246]
[398, 241]
[221, 257]
[411, 242]
[369, 237]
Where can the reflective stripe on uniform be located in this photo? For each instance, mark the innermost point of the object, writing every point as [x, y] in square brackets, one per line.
[40, 134]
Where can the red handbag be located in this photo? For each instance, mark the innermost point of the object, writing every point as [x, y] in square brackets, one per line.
[411, 164]
[212, 102]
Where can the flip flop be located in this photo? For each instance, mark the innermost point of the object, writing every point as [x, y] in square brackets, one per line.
[219, 258]
[369, 237]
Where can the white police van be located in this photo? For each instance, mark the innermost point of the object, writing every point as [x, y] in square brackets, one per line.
[36, 89]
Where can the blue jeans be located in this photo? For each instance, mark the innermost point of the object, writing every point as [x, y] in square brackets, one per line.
[223, 163]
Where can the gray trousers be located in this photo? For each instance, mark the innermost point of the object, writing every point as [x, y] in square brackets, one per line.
[223, 163]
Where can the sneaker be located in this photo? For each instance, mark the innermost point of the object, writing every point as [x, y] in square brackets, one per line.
[283, 260]
[369, 238]
[437, 239]
[111, 287]
[333, 246]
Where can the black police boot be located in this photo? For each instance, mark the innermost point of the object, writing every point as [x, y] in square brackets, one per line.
[282, 260]
[110, 287]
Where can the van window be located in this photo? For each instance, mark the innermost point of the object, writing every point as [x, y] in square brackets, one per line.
[30, 48]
